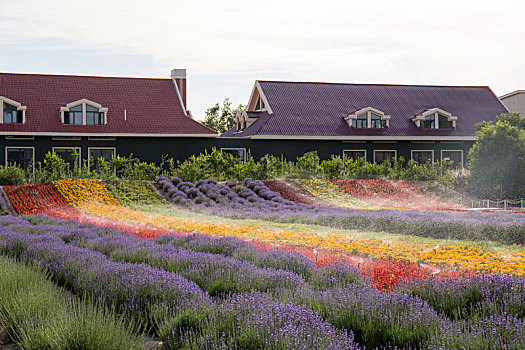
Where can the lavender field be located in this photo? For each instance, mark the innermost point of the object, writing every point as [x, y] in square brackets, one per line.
[199, 292]
[252, 199]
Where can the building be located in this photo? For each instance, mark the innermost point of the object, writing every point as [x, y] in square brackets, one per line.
[96, 117]
[374, 121]
[515, 101]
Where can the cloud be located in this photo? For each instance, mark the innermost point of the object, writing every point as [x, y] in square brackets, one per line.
[445, 42]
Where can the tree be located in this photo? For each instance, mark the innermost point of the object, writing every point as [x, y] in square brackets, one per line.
[222, 118]
[497, 159]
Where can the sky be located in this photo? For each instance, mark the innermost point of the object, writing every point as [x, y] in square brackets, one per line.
[226, 45]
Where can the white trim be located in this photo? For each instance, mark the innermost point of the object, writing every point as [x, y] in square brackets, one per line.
[368, 110]
[354, 150]
[173, 79]
[22, 137]
[436, 111]
[101, 138]
[19, 147]
[452, 150]
[79, 151]
[258, 89]
[84, 102]
[367, 138]
[102, 134]
[517, 92]
[422, 150]
[18, 106]
[235, 149]
[67, 138]
[385, 150]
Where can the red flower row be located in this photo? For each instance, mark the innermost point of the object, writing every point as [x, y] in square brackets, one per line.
[37, 199]
[292, 191]
[395, 194]
[384, 274]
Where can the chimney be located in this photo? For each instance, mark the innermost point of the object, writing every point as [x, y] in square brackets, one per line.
[179, 79]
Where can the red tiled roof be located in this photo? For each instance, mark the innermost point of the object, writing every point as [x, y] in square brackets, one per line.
[318, 109]
[152, 105]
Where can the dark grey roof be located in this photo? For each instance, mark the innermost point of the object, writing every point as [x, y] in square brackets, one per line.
[318, 109]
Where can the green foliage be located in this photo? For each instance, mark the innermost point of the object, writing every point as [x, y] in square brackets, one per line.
[497, 159]
[222, 118]
[225, 166]
[13, 175]
[133, 192]
[220, 166]
[307, 165]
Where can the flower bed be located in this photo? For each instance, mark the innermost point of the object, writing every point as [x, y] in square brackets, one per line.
[332, 194]
[291, 191]
[331, 307]
[393, 194]
[41, 198]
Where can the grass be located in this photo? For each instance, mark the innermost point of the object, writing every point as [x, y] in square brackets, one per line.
[37, 314]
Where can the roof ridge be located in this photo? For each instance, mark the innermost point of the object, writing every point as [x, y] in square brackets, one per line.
[371, 84]
[81, 76]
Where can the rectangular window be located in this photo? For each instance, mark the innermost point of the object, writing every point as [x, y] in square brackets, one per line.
[101, 138]
[74, 116]
[22, 156]
[94, 155]
[239, 153]
[71, 155]
[66, 138]
[423, 156]
[12, 115]
[429, 122]
[354, 154]
[381, 155]
[19, 137]
[444, 123]
[455, 156]
[93, 116]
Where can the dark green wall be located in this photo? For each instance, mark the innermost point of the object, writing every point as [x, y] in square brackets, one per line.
[151, 149]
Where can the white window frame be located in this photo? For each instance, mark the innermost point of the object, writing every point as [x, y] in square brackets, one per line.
[101, 138]
[18, 137]
[66, 138]
[354, 150]
[235, 149]
[368, 111]
[18, 106]
[84, 102]
[79, 151]
[385, 150]
[20, 147]
[422, 150]
[452, 150]
[92, 148]
[418, 119]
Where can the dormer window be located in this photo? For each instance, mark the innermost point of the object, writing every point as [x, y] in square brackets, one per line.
[435, 118]
[361, 122]
[260, 106]
[368, 118]
[83, 112]
[12, 112]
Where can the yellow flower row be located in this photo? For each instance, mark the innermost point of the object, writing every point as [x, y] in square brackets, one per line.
[79, 192]
[103, 205]
[333, 194]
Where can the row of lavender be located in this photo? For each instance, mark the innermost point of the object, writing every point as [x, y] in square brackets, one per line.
[252, 199]
[201, 292]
